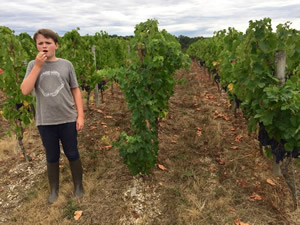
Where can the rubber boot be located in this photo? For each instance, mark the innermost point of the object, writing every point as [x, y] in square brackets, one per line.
[76, 170]
[53, 178]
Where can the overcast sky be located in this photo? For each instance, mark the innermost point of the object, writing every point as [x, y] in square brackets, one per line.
[189, 17]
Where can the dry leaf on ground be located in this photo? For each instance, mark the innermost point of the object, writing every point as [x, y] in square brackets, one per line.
[269, 181]
[238, 138]
[254, 197]
[92, 128]
[162, 167]
[238, 222]
[77, 214]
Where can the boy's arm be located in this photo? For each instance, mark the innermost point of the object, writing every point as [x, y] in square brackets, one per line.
[28, 84]
[78, 102]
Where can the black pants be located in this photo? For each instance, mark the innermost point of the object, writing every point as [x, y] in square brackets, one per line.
[52, 134]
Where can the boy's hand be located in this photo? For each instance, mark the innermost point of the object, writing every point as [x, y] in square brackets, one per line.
[79, 123]
[40, 59]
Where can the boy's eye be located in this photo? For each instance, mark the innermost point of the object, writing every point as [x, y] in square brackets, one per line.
[47, 43]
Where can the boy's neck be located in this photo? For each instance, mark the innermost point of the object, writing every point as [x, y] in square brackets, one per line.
[52, 59]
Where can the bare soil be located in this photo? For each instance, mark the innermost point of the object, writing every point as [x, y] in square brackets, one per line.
[209, 170]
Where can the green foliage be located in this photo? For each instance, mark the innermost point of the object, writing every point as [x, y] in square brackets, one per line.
[147, 83]
[28, 45]
[247, 63]
[13, 68]
[78, 50]
[111, 52]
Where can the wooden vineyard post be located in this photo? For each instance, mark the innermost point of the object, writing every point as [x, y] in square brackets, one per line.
[286, 167]
[96, 90]
[280, 61]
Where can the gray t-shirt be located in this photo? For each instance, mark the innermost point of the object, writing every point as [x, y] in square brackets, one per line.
[54, 99]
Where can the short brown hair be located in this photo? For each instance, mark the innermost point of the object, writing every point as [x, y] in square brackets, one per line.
[47, 33]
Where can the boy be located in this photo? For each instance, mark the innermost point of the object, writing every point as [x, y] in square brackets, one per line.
[59, 109]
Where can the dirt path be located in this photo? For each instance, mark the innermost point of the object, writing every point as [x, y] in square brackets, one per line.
[209, 170]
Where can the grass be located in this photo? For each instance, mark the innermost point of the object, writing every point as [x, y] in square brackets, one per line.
[70, 209]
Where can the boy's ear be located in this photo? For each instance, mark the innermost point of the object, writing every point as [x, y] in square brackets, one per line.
[56, 45]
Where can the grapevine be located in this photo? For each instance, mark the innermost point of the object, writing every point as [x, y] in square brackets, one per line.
[16, 108]
[147, 84]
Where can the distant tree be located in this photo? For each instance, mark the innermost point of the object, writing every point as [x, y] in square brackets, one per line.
[186, 41]
[121, 37]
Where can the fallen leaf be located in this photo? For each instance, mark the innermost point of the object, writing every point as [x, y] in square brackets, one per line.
[242, 183]
[173, 142]
[238, 138]
[269, 181]
[254, 197]
[234, 147]
[210, 96]
[92, 128]
[99, 111]
[107, 147]
[199, 133]
[221, 115]
[232, 210]
[24, 182]
[241, 223]
[77, 214]
[212, 169]
[220, 161]
[108, 117]
[238, 222]
[162, 167]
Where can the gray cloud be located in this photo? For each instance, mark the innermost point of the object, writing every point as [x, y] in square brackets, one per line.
[190, 17]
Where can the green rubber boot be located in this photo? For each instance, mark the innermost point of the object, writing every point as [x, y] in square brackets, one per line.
[53, 178]
[76, 170]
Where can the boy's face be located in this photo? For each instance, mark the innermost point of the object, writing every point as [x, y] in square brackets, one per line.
[46, 45]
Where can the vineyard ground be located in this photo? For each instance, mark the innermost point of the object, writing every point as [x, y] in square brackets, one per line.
[209, 170]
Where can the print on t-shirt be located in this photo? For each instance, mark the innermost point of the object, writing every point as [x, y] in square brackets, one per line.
[50, 83]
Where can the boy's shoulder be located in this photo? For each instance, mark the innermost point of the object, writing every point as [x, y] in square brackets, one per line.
[64, 60]
[31, 62]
